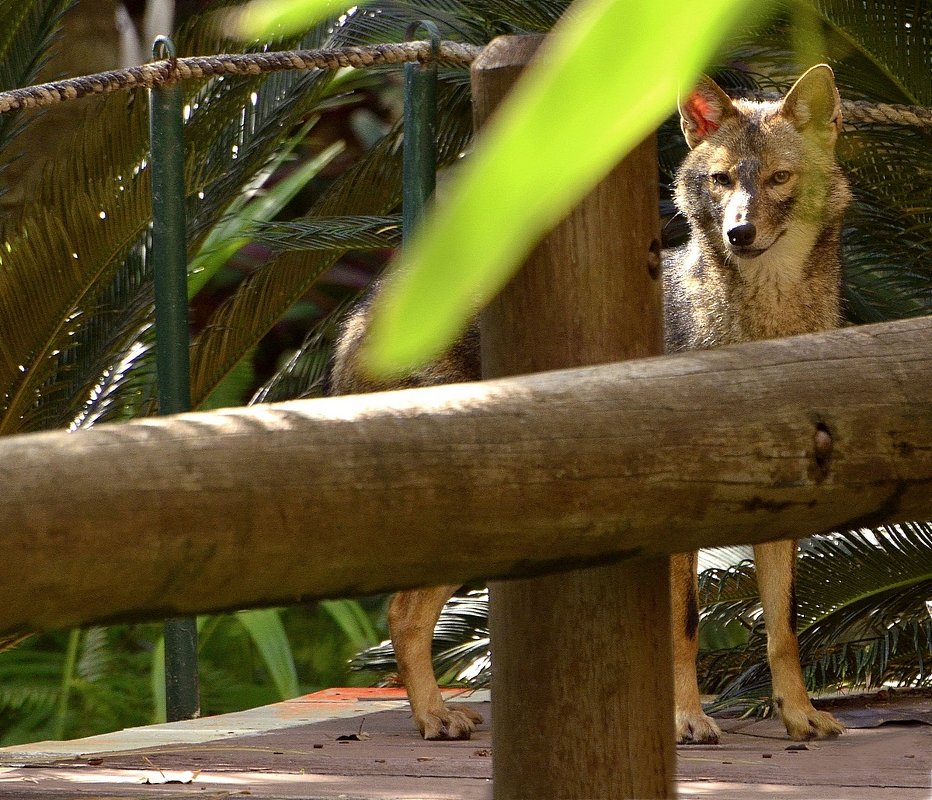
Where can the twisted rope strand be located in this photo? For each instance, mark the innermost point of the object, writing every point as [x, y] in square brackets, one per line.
[157, 73]
[886, 114]
[855, 112]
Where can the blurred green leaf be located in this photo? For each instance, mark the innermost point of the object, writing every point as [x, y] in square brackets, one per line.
[600, 85]
[67, 681]
[265, 628]
[353, 621]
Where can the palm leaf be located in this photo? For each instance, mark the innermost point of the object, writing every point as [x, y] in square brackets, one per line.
[862, 617]
[387, 21]
[892, 35]
[516, 16]
[330, 233]
[371, 187]
[51, 270]
[30, 681]
[232, 157]
[724, 557]
[26, 33]
[63, 316]
[460, 645]
[95, 654]
[253, 208]
[305, 373]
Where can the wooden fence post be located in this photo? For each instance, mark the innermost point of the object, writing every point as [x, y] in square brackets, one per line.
[582, 684]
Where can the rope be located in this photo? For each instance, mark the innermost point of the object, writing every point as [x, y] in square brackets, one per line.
[885, 114]
[157, 73]
[855, 112]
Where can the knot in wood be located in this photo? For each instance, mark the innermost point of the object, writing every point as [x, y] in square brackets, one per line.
[823, 446]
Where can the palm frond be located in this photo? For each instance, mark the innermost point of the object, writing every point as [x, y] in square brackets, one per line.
[65, 252]
[518, 16]
[305, 373]
[95, 656]
[30, 681]
[861, 614]
[387, 21]
[460, 645]
[330, 233]
[724, 557]
[26, 33]
[892, 36]
[65, 316]
[371, 187]
[260, 109]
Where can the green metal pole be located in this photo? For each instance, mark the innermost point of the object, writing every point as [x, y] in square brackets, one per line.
[169, 259]
[419, 152]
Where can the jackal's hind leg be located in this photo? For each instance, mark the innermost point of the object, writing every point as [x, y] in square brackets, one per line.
[412, 616]
[776, 577]
[693, 725]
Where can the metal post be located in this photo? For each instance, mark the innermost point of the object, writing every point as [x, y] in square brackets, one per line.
[169, 259]
[420, 124]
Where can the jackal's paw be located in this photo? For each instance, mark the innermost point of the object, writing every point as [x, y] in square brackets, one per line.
[696, 728]
[806, 723]
[449, 723]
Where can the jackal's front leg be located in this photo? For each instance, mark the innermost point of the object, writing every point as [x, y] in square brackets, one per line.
[412, 617]
[776, 577]
[692, 723]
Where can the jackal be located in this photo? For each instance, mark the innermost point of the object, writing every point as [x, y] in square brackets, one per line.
[764, 198]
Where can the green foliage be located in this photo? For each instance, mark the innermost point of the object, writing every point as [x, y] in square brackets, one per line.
[26, 31]
[862, 615]
[353, 621]
[250, 209]
[267, 632]
[74, 684]
[100, 679]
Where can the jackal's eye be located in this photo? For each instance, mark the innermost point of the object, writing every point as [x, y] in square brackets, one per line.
[781, 176]
[721, 178]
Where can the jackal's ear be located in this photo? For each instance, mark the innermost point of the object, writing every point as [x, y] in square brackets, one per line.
[813, 102]
[702, 110]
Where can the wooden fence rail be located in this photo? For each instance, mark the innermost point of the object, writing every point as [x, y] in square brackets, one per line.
[517, 476]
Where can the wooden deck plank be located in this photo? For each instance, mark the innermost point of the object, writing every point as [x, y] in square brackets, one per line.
[293, 750]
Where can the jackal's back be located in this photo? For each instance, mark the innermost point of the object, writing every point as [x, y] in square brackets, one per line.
[460, 363]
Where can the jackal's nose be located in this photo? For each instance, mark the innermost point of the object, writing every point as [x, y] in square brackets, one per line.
[742, 235]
